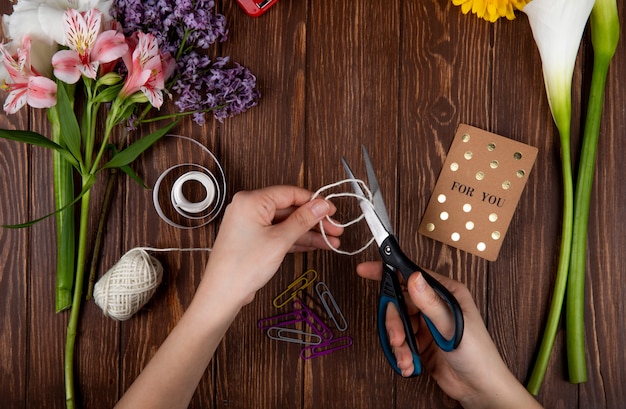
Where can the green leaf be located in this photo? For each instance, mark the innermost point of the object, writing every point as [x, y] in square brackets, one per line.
[34, 138]
[86, 188]
[108, 95]
[130, 172]
[131, 153]
[127, 169]
[70, 130]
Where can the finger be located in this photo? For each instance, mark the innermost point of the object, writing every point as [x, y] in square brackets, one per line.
[431, 304]
[312, 240]
[372, 270]
[303, 219]
[394, 326]
[330, 228]
[404, 359]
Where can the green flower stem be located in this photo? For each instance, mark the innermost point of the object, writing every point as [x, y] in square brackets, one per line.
[556, 306]
[604, 34]
[97, 247]
[77, 298]
[63, 194]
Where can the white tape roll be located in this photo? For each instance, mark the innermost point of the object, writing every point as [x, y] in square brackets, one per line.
[181, 202]
[168, 195]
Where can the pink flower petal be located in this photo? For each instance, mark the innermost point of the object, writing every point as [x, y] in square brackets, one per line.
[16, 99]
[65, 63]
[42, 92]
[109, 46]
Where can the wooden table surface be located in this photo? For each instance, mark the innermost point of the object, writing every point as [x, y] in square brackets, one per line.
[399, 77]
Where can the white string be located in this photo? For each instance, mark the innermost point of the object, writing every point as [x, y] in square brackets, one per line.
[367, 198]
[173, 249]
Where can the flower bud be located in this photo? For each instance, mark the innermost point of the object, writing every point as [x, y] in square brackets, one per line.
[138, 98]
[110, 78]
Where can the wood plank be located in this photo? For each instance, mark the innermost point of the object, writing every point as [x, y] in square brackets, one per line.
[352, 99]
[605, 290]
[524, 274]
[142, 335]
[46, 343]
[14, 208]
[445, 60]
[98, 344]
[260, 148]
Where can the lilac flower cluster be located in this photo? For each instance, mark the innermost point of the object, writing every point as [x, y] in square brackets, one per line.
[184, 28]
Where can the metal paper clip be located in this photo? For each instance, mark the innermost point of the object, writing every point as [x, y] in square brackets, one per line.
[325, 348]
[326, 297]
[293, 335]
[298, 284]
[312, 319]
[291, 317]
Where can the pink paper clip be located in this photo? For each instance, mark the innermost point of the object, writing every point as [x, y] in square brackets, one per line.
[315, 322]
[282, 320]
[325, 348]
[300, 283]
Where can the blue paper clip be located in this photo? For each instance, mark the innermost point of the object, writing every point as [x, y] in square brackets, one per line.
[293, 335]
[326, 297]
[300, 283]
[325, 348]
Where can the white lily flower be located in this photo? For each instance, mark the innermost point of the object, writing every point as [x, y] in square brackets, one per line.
[557, 27]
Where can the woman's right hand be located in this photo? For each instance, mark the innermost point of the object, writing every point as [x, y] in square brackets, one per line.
[474, 373]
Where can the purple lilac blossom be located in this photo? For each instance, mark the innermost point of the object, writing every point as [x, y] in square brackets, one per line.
[182, 28]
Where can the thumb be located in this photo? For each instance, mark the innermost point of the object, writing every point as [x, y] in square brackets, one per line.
[304, 218]
[431, 304]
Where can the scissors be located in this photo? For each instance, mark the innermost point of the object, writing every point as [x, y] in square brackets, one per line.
[395, 260]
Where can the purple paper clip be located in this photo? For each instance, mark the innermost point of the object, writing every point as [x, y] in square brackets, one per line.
[315, 322]
[282, 320]
[325, 348]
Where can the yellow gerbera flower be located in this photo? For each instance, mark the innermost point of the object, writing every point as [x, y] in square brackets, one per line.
[491, 10]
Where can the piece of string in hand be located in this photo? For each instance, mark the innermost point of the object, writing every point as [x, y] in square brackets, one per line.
[367, 198]
[131, 282]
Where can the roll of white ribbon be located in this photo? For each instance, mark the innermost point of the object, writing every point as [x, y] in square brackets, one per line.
[168, 195]
[181, 202]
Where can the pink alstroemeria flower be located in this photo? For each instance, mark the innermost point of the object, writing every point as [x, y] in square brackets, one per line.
[145, 70]
[28, 87]
[88, 46]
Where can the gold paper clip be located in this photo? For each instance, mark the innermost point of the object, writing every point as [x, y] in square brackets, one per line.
[327, 301]
[298, 284]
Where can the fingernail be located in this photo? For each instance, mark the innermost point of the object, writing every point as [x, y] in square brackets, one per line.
[320, 208]
[420, 283]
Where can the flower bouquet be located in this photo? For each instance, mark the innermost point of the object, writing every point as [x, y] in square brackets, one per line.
[118, 59]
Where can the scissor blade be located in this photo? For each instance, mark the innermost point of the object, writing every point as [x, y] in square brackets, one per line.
[376, 226]
[377, 196]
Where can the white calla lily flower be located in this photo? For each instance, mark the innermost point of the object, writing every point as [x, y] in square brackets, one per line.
[557, 27]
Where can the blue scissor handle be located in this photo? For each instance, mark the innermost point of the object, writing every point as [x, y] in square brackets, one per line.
[391, 293]
[394, 258]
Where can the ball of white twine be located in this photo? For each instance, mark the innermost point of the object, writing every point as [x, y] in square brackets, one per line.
[128, 285]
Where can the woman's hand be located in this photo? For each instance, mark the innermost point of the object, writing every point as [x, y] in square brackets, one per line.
[259, 228]
[474, 373]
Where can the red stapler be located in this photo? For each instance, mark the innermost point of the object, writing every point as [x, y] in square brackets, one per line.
[254, 8]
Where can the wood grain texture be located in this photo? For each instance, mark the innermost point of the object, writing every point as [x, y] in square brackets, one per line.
[398, 77]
